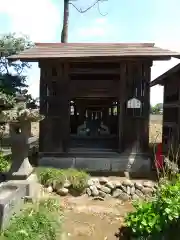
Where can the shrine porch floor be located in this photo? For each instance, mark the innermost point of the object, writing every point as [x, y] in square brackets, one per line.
[97, 160]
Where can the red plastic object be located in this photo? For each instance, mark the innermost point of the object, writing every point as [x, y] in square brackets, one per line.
[159, 157]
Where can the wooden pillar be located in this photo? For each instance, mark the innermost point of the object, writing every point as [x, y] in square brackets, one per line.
[121, 106]
[146, 108]
[64, 108]
[43, 110]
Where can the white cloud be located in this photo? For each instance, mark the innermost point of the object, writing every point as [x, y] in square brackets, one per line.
[97, 28]
[39, 19]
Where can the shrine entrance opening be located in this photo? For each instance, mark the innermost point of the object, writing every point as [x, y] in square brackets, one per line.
[94, 123]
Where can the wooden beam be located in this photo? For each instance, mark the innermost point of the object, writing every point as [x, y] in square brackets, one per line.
[79, 71]
[121, 105]
[43, 144]
[146, 110]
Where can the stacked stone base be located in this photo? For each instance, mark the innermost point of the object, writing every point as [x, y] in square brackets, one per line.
[102, 188]
[126, 190]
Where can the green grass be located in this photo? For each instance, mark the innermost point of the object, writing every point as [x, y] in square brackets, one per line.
[40, 221]
[5, 163]
[57, 177]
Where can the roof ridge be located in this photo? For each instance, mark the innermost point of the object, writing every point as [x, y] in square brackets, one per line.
[56, 44]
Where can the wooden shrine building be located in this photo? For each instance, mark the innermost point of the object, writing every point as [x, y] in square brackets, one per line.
[96, 101]
[170, 80]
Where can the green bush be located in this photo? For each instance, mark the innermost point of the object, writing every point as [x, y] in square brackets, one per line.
[39, 222]
[158, 218]
[51, 176]
[54, 177]
[4, 163]
[78, 179]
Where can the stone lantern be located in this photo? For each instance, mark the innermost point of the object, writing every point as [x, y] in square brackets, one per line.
[20, 120]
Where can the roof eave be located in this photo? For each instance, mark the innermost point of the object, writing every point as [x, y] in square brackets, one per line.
[37, 59]
[160, 80]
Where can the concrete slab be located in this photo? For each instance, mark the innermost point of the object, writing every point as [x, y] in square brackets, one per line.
[93, 164]
[11, 202]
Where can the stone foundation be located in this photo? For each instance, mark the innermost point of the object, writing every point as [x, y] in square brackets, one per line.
[102, 188]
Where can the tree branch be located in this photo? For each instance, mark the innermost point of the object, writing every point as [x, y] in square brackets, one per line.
[88, 8]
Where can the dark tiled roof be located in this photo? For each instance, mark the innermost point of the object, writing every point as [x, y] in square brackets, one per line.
[82, 50]
[166, 75]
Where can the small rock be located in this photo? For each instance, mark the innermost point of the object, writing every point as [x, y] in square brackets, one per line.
[139, 193]
[147, 190]
[116, 193]
[128, 182]
[98, 186]
[123, 188]
[124, 197]
[128, 190]
[62, 191]
[49, 189]
[67, 184]
[103, 180]
[102, 194]
[117, 184]
[90, 182]
[148, 184]
[110, 185]
[133, 190]
[108, 196]
[135, 197]
[88, 191]
[138, 185]
[94, 191]
[95, 181]
[105, 189]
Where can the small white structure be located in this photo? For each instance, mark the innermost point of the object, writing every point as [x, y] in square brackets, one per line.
[134, 103]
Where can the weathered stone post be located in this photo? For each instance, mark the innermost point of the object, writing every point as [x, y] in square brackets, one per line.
[19, 130]
[19, 119]
[21, 167]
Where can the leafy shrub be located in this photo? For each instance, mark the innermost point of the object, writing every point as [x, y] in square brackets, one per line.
[57, 177]
[78, 179]
[51, 176]
[158, 218]
[4, 163]
[39, 222]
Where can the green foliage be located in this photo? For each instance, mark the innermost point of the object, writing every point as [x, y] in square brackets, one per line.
[4, 163]
[54, 177]
[41, 221]
[157, 109]
[158, 218]
[78, 179]
[51, 176]
[12, 74]
[6, 100]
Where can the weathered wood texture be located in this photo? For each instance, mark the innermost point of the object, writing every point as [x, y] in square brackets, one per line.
[94, 85]
[171, 113]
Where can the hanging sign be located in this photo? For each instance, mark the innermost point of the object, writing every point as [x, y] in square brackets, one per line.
[134, 103]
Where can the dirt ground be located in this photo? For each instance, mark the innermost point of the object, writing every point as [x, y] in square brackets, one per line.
[87, 219]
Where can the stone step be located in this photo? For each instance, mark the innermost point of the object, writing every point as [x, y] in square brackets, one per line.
[95, 164]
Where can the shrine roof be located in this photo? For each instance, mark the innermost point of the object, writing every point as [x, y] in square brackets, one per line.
[168, 74]
[92, 50]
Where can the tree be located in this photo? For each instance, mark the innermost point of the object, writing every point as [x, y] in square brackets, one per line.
[12, 74]
[64, 33]
[157, 109]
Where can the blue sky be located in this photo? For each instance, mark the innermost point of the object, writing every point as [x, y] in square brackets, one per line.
[127, 21]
